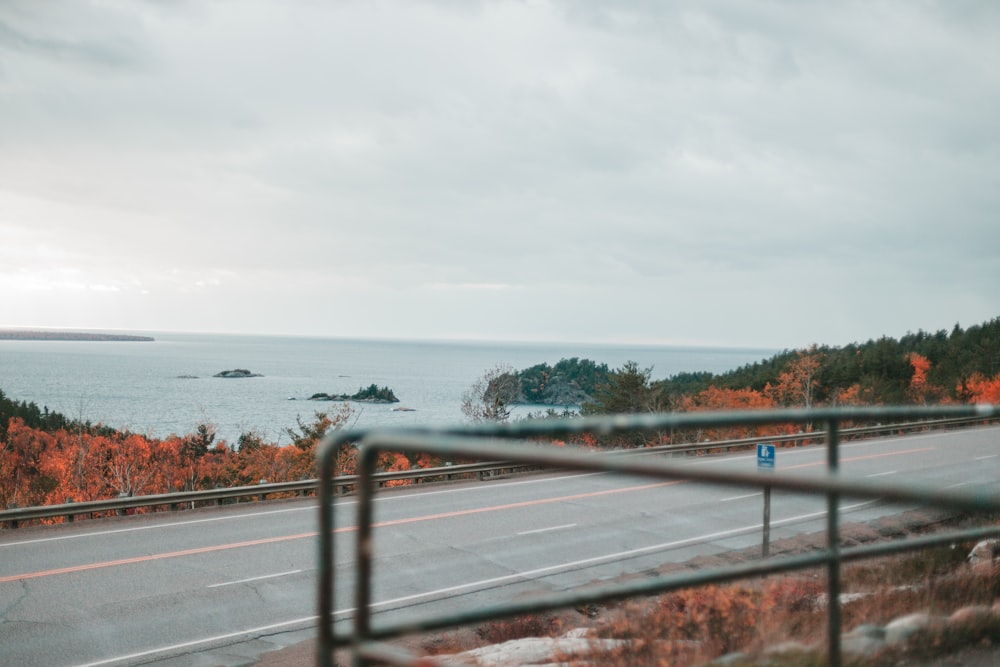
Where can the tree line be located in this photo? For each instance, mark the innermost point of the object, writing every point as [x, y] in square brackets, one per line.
[919, 368]
[962, 366]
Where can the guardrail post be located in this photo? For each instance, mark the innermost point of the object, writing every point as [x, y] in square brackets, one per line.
[13, 522]
[71, 516]
[833, 547]
[363, 583]
[766, 547]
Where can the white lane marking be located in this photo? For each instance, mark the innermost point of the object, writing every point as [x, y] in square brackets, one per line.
[546, 530]
[983, 458]
[882, 474]
[244, 581]
[128, 659]
[552, 569]
[744, 497]
[952, 486]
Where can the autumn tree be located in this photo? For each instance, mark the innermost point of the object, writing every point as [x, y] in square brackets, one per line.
[720, 399]
[23, 481]
[126, 464]
[797, 385]
[980, 389]
[490, 397]
[921, 391]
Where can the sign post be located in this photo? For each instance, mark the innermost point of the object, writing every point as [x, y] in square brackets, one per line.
[765, 461]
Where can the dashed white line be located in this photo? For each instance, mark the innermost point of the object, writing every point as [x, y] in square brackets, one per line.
[547, 530]
[882, 474]
[244, 581]
[743, 497]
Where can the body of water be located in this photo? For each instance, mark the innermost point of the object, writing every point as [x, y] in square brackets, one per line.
[167, 386]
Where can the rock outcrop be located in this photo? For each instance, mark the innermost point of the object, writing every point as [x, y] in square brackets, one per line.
[237, 373]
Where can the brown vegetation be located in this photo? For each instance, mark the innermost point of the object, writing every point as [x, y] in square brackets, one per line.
[694, 626]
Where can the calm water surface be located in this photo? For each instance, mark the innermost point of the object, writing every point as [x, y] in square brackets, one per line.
[166, 386]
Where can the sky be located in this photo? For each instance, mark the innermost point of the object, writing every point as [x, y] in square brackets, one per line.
[769, 174]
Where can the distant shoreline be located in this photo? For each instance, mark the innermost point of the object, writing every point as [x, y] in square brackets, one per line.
[16, 334]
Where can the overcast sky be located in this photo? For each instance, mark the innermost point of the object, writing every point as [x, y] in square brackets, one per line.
[765, 174]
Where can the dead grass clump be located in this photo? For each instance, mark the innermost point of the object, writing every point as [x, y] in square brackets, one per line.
[498, 632]
[703, 623]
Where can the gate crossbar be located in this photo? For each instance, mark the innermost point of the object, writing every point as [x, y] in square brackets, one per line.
[489, 442]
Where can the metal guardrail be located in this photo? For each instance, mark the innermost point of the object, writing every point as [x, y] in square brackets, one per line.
[13, 517]
[487, 442]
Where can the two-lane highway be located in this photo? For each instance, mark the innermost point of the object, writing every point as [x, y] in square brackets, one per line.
[204, 587]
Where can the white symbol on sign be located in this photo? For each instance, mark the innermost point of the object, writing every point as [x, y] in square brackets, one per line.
[765, 456]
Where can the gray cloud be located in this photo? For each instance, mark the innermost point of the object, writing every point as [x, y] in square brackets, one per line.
[503, 170]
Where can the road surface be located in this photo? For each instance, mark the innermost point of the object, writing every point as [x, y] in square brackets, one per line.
[220, 586]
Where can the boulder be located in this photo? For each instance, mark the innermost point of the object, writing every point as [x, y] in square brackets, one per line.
[984, 552]
[904, 628]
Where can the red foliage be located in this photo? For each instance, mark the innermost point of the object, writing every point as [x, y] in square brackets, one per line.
[981, 389]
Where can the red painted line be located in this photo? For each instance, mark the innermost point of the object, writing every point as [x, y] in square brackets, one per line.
[144, 559]
[526, 503]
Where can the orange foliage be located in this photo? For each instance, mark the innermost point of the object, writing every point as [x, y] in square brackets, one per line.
[393, 462]
[853, 395]
[716, 399]
[920, 391]
[43, 468]
[981, 389]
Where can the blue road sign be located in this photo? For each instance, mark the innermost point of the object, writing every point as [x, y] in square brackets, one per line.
[765, 456]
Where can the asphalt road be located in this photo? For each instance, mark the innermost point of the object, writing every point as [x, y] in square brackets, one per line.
[218, 587]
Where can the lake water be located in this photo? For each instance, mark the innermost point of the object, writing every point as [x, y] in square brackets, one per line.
[166, 386]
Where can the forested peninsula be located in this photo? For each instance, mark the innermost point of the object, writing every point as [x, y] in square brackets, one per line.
[46, 458]
[19, 334]
[917, 368]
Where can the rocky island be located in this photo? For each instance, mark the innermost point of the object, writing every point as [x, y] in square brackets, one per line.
[237, 373]
[370, 394]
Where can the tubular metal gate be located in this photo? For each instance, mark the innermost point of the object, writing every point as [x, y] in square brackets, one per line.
[488, 442]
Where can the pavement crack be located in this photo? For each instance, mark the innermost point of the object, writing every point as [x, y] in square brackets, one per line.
[14, 604]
